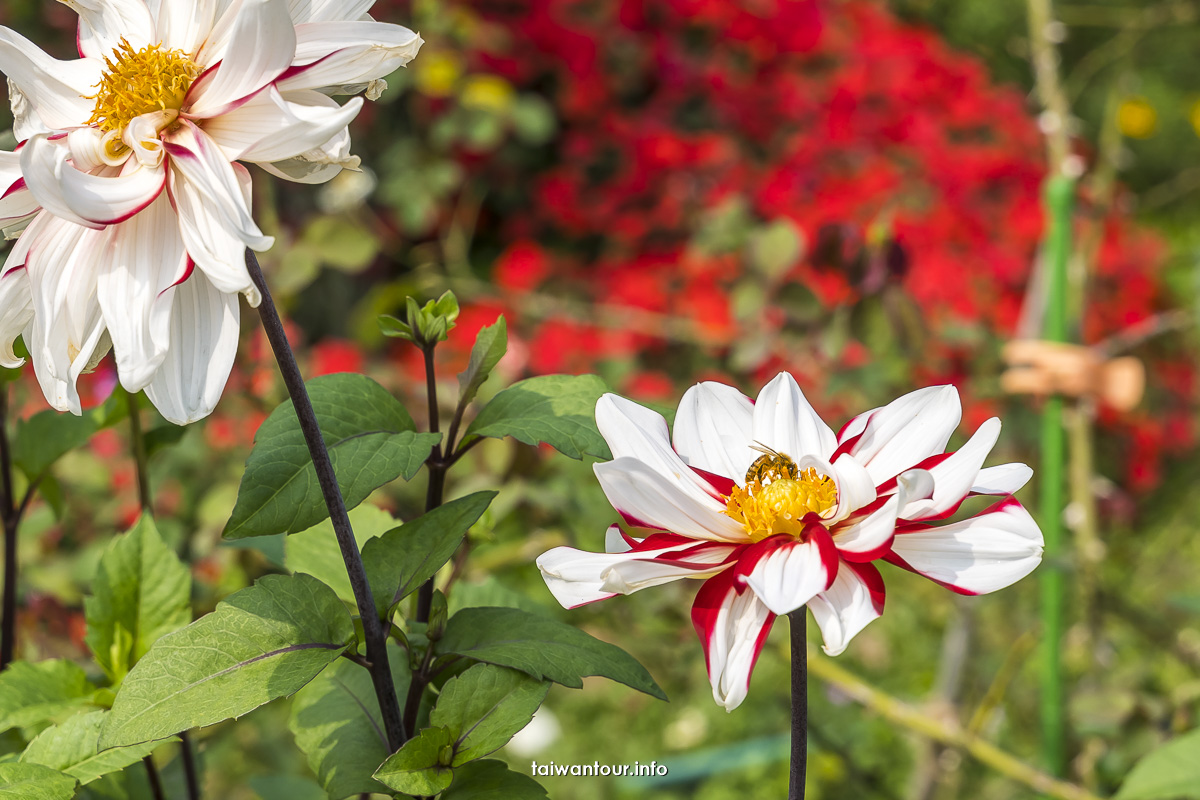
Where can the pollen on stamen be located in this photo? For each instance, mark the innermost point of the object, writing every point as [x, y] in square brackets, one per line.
[777, 498]
[136, 82]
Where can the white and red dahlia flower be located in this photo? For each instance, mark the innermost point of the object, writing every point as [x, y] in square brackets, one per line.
[775, 511]
[132, 211]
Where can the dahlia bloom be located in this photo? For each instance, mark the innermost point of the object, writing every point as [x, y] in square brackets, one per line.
[774, 511]
[132, 211]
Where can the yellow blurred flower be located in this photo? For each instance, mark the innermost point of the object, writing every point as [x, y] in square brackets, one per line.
[1136, 118]
[438, 73]
[487, 92]
[1194, 117]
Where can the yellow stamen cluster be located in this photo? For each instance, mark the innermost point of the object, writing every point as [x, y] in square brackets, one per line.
[781, 504]
[136, 82]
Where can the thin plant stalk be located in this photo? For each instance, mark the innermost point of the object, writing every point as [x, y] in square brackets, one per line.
[373, 632]
[798, 624]
[141, 461]
[11, 516]
[1059, 197]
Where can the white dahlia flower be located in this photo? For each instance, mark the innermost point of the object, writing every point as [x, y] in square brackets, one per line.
[775, 511]
[133, 213]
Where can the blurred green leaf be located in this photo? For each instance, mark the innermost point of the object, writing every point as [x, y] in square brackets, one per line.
[286, 787]
[316, 550]
[162, 437]
[492, 780]
[72, 747]
[49, 435]
[261, 643]
[484, 707]
[339, 242]
[422, 765]
[1170, 772]
[371, 440]
[541, 647]
[141, 592]
[491, 343]
[31, 694]
[34, 782]
[533, 119]
[559, 410]
[398, 562]
[337, 725]
[775, 248]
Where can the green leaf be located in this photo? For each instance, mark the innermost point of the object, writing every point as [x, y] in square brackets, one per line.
[31, 694]
[541, 647]
[141, 592]
[776, 247]
[1171, 771]
[492, 780]
[337, 725]
[402, 559]
[72, 747]
[491, 343]
[34, 782]
[371, 441]
[484, 707]
[162, 437]
[261, 643]
[316, 552]
[422, 765]
[286, 787]
[49, 435]
[395, 328]
[559, 410]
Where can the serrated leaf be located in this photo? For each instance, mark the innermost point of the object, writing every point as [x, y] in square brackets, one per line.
[338, 727]
[72, 747]
[316, 551]
[492, 780]
[141, 592]
[559, 410]
[402, 559]
[260, 643]
[491, 343]
[485, 707]
[34, 782]
[541, 647]
[1172, 771]
[371, 439]
[31, 694]
[417, 768]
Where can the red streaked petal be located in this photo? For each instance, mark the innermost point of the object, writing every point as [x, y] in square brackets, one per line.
[733, 627]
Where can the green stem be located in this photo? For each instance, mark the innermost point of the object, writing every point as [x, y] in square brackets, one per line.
[1059, 200]
[11, 518]
[138, 450]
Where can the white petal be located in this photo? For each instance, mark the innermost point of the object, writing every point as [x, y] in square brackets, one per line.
[274, 127]
[854, 485]
[204, 338]
[262, 43]
[16, 303]
[848, 606]
[336, 54]
[635, 432]
[576, 577]
[714, 428]
[614, 542]
[1002, 479]
[327, 10]
[67, 328]
[53, 90]
[184, 24]
[214, 213]
[789, 576]
[907, 431]
[144, 261]
[87, 200]
[785, 422]
[953, 477]
[732, 627]
[104, 23]
[978, 555]
[645, 495]
[869, 538]
[317, 165]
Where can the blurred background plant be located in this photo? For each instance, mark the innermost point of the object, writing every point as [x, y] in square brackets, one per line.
[665, 191]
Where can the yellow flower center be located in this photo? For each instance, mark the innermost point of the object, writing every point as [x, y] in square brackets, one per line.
[778, 497]
[136, 82]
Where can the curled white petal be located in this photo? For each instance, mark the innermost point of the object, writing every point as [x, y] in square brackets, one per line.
[907, 431]
[104, 23]
[52, 91]
[1002, 479]
[647, 497]
[261, 45]
[713, 430]
[732, 627]
[844, 609]
[275, 127]
[336, 54]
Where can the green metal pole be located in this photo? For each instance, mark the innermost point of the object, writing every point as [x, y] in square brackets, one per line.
[1059, 198]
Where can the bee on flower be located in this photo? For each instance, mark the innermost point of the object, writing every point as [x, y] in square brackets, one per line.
[126, 187]
[774, 511]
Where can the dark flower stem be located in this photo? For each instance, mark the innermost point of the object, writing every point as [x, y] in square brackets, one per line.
[11, 516]
[373, 632]
[798, 620]
[141, 461]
